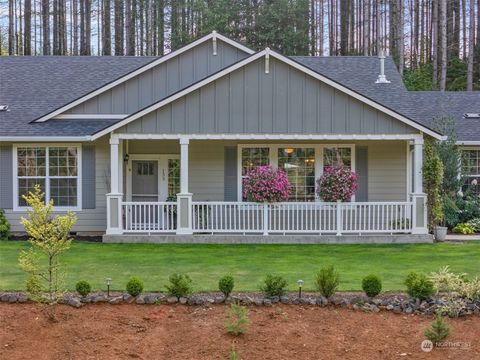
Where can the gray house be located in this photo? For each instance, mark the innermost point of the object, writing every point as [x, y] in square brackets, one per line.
[149, 148]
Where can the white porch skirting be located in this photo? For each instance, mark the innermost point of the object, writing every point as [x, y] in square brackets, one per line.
[269, 239]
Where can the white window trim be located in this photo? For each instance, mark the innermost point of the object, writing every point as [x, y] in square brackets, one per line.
[17, 207]
[469, 148]
[273, 155]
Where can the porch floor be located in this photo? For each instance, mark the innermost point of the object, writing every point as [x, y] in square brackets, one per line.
[269, 239]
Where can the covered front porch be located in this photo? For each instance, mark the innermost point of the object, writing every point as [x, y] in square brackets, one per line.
[165, 186]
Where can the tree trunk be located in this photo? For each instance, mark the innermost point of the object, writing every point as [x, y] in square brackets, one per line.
[27, 40]
[435, 42]
[471, 44]
[75, 27]
[443, 27]
[119, 18]
[106, 34]
[88, 27]
[11, 29]
[344, 27]
[161, 27]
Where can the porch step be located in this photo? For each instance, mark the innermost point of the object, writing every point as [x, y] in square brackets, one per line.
[270, 239]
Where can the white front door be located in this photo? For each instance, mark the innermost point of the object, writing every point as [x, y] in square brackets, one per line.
[153, 177]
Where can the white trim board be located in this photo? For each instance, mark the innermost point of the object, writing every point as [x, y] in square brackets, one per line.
[266, 136]
[468, 143]
[212, 35]
[250, 59]
[45, 138]
[90, 117]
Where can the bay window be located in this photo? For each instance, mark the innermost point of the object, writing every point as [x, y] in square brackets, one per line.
[471, 170]
[54, 168]
[304, 164]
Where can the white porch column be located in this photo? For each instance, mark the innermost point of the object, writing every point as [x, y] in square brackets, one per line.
[114, 198]
[419, 198]
[418, 165]
[184, 198]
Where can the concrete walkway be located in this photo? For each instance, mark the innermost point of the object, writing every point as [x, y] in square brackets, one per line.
[460, 237]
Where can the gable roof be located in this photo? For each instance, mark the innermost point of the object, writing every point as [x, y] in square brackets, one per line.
[35, 86]
[267, 52]
[142, 69]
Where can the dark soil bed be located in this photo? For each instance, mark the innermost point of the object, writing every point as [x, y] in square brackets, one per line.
[181, 332]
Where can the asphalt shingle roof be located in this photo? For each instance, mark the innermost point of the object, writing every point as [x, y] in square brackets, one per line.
[359, 74]
[35, 86]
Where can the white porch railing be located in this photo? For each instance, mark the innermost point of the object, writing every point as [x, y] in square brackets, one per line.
[316, 218]
[149, 217]
[280, 218]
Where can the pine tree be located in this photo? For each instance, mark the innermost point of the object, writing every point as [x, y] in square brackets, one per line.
[438, 330]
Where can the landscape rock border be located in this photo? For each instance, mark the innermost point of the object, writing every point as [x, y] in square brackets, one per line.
[395, 302]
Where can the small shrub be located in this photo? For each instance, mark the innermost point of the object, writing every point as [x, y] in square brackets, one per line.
[134, 286]
[371, 285]
[438, 330]
[273, 285]
[475, 224]
[226, 284]
[464, 228]
[180, 285]
[83, 287]
[419, 286]
[4, 226]
[327, 280]
[237, 319]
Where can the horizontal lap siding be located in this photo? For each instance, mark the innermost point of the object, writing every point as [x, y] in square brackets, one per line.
[387, 171]
[284, 101]
[89, 220]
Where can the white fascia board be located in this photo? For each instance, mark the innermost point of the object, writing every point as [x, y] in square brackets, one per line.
[142, 70]
[179, 94]
[90, 117]
[406, 137]
[288, 61]
[468, 143]
[45, 138]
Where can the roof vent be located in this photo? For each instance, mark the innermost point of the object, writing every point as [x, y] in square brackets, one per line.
[471, 116]
[382, 79]
[3, 107]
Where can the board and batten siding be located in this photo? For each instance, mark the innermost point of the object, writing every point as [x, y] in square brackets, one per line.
[88, 220]
[162, 80]
[284, 101]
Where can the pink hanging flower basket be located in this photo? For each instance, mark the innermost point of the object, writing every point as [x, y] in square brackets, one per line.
[266, 184]
[337, 183]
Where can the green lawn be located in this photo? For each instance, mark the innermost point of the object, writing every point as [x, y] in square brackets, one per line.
[248, 263]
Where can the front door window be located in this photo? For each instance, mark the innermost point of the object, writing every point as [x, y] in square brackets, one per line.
[144, 180]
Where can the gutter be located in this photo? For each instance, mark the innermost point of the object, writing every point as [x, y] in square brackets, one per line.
[467, 143]
[46, 138]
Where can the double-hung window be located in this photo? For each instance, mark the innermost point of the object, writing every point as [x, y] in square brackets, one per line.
[304, 164]
[471, 170]
[55, 168]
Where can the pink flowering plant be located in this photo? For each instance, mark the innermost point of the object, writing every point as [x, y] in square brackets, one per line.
[337, 183]
[266, 184]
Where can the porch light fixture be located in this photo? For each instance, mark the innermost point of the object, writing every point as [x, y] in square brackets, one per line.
[300, 285]
[288, 150]
[126, 157]
[108, 281]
